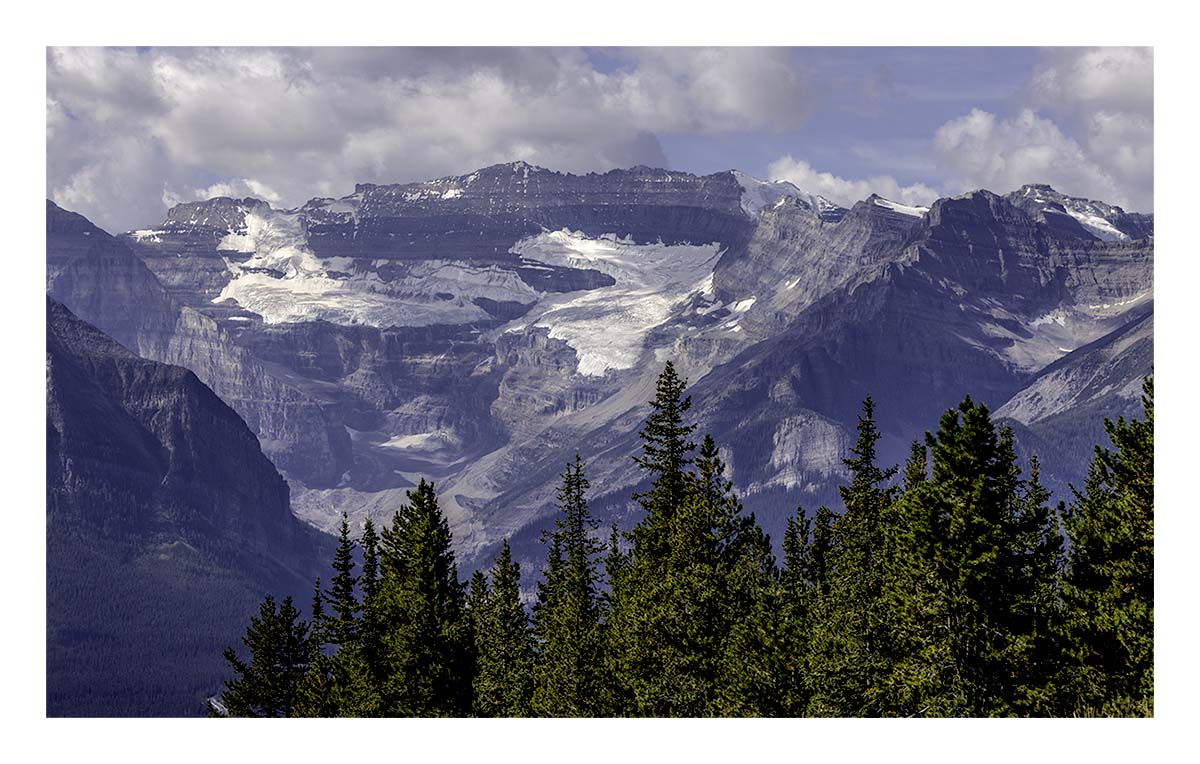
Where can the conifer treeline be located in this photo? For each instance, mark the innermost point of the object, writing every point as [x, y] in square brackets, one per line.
[948, 588]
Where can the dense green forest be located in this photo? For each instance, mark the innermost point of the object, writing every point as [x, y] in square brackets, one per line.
[948, 586]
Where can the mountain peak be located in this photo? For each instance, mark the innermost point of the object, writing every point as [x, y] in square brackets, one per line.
[1031, 188]
[1100, 220]
[519, 165]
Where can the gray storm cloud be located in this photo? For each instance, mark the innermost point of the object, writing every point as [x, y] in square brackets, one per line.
[131, 131]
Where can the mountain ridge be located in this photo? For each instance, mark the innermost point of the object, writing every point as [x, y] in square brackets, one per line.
[477, 364]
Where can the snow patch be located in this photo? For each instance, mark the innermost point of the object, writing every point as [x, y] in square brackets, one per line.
[285, 282]
[607, 327]
[1053, 317]
[757, 194]
[903, 209]
[1097, 225]
[425, 442]
[741, 306]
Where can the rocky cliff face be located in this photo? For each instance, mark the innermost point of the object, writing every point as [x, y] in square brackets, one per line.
[165, 524]
[137, 447]
[475, 329]
[100, 279]
[1082, 218]
[479, 216]
[1066, 403]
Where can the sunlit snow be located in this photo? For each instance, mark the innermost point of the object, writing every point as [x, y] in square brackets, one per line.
[903, 209]
[741, 306]
[285, 282]
[1096, 225]
[607, 327]
[425, 442]
[757, 194]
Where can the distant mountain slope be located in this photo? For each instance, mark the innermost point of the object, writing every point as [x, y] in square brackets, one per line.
[1066, 404]
[479, 329]
[165, 525]
[103, 282]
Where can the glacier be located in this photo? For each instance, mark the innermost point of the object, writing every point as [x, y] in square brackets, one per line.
[607, 327]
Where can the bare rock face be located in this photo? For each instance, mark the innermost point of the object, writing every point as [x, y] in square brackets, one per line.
[102, 281]
[1112, 366]
[138, 445]
[479, 216]
[1065, 405]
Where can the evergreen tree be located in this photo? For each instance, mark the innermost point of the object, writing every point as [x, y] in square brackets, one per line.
[615, 562]
[279, 656]
[972, 589]
[1108, 587]
[477, 600]
[916, 469]
[369, 642]
[340, 627]
[1038, 558]
[767, 661]
[665, 456]
[370, 566]
[504, 644]
[317, 627]
[569, 677]
[852, 638]
[696, 572]
[425, 662]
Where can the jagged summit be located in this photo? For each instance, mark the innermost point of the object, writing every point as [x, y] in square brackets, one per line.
[761, 194]
[1096, 219]
[897, 207]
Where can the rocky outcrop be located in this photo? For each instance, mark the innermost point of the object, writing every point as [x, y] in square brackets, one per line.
[1081, 218]
[480, 216]
[101, 280]
[138, 447]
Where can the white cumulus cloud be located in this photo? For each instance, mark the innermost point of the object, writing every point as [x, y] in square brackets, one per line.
[846, 191]
[980, 150]
[1084, 124]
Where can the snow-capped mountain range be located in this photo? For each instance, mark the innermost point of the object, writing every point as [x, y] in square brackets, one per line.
[480, 329]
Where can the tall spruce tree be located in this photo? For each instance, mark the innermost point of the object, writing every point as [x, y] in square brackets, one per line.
[279, 656]
[1108, 587]
[316, 694]
[666, 456]
[1036, 579]
[697, 569]
[425, 662]
[504, 643]
[340, 625]
[369, 642]
[369, 541]
[851, 639]
[639, 598]
[569, 677]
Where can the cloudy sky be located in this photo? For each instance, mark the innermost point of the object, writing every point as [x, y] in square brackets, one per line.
[132, 131]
